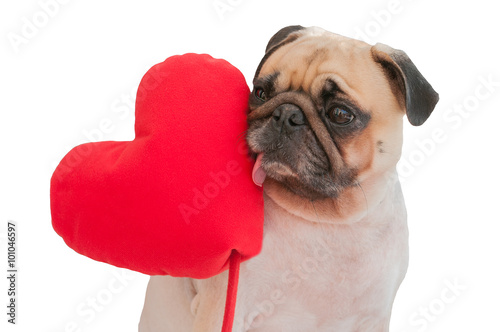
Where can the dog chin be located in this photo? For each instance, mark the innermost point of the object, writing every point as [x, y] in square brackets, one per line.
[294, 186]
[306, 186]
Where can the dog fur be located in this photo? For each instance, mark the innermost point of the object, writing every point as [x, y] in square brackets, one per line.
[335, 246]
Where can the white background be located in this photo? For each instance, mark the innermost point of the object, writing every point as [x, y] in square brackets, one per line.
[83, 62]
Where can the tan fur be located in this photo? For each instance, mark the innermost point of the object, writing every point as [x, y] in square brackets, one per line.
[305, 65]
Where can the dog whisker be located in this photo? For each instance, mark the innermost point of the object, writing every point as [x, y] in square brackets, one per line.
[364, 194]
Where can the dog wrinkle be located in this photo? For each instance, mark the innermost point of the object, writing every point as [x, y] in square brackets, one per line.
[318, 55]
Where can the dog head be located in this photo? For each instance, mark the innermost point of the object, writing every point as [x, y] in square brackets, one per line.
[326, 112]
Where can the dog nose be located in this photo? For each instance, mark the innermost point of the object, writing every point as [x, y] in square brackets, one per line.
[289, 117]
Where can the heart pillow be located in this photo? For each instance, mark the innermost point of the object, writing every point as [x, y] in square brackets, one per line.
[179, 198]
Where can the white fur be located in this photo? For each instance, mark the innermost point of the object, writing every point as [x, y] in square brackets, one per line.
[311, 276]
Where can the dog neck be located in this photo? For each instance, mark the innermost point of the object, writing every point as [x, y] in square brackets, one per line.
[355, 204]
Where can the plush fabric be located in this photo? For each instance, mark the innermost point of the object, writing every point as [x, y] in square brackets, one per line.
[178, 198]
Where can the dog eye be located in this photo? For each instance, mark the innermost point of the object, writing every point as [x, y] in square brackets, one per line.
[260, 94]
[340, 115]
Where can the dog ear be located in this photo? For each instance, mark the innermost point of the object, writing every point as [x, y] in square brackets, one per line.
[408, 84]
[280, 38]
[281, 35]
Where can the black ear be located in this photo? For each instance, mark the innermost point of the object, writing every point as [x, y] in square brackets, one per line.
[280, 38]
[408, 84]
[281, 35]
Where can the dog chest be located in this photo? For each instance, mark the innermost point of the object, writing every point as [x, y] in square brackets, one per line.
[312, 276]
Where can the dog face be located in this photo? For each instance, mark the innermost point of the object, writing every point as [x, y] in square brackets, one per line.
[326, 111]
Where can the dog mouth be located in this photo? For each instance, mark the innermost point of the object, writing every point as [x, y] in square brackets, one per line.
[276, 170]
[310, 184]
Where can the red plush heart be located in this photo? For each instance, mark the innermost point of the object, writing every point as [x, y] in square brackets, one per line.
[178, 198]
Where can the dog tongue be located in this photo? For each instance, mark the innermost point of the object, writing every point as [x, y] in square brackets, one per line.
[258, 173]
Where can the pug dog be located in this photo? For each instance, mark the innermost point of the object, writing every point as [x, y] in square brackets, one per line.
[325, 124]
